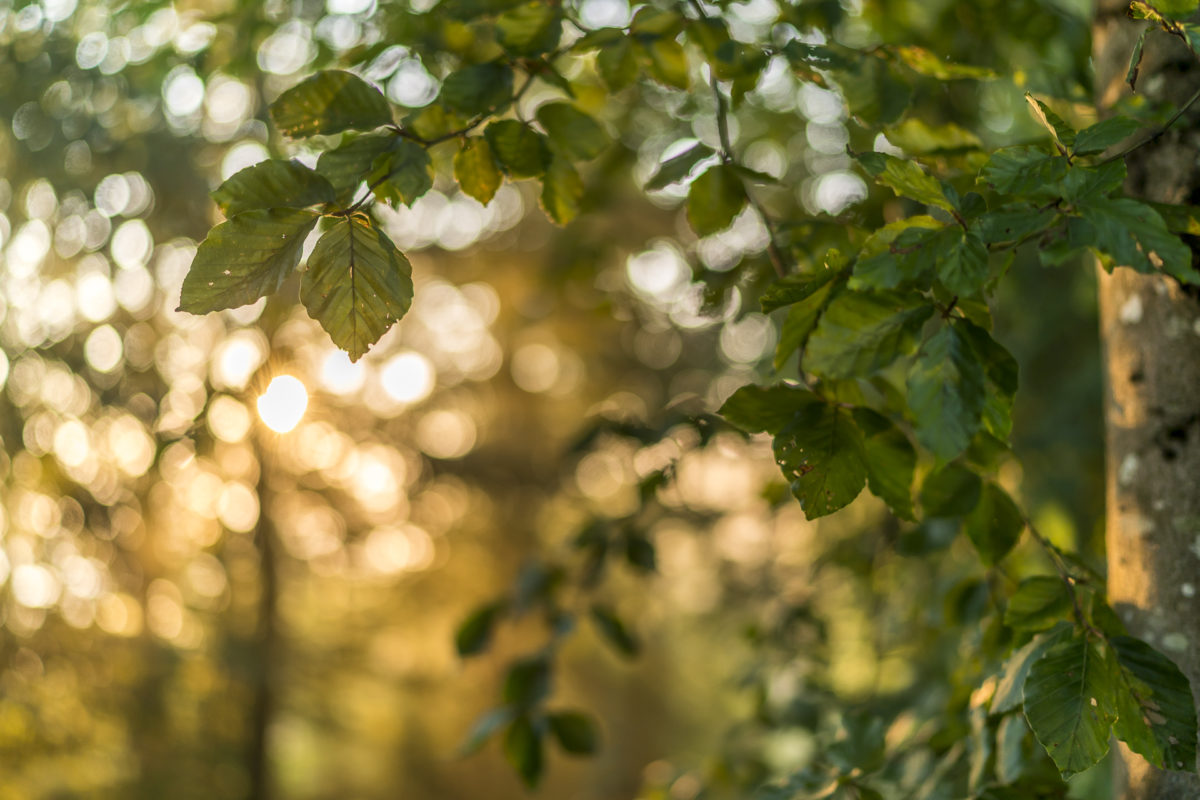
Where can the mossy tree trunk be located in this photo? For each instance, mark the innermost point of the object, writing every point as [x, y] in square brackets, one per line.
[1150, 327]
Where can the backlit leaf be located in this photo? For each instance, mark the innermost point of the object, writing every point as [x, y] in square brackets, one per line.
[402, 173]
[477, 88]
[244, 258]
[357, 284]
[523, 750]
[678, 167]
[1038, 603]
[617, 64]
[575, 732]
[530, 29]
[863, 332]
[272, 184]
[562, 191]
[476, 171]
[906, 179]
[666, 62]
[330, 101]
[346, 166]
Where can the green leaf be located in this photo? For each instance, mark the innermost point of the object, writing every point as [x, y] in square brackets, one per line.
[823, 455]
[472, 9]
[1038, 603]
[679, 167]
[1177, 8]
[614, 631]
[891, 461]
[952, 491]
[795, 288]
[617, 63]
[714, 199]
[527, 682]
[1013, 222]
[995, 526]
[1010, 748]
[962, 262]
[1002, 378]
[861, 333]
[1024, 170]
[758, 409]
[476, 171]
[346, 166]
[1010, 688]
[562, 191]
[519, 149]
[272, 184]
[918, 136]
[1179, 218]
[330, 101]
[357, 284]
[478, 88]
[575, 134]
[1128, 233]
[802, 318]
[1156, 715]
[1084, 184]
[575, 732]
[906, 179]
[665, 61]
[1135, 59]
[530, 29]
[244, 258]
[1069, 704]
[946, 393]
[402, 173]
[1062, 133]
[1104, 134]
[474, 634]
[930, 65]
[523, 750]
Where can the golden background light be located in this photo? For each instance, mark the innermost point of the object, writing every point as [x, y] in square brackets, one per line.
[282, 406]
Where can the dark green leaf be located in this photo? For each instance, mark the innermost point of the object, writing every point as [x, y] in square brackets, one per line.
[1069, 704]
[346, 166]
[402, 173]
[575, 134]
[758, 409]
[476, 171]
[614, 631]
[714, 199]
[328, 102]
[478, 88]
[562, 191]
[272, 184]
[575, 732]
[802, 318]
[1011, 760]
[1025, 171]
[523, 750]
[875, 92]
[823, 455]
[474, 634]
[530, 29]
[951, 491]
[244, 258]
[527, 682]
[1156, 712]
[962, 262]
[1084, 184]
[1104, 134]
[639, 551]
[861, 333]
[472, 9]
[519, 149]
[946, 393]
[1128, 233]
[1038, 603]
[891, 461]
[995, 525]
[795, 288]
[1014, 222]
[357, 284]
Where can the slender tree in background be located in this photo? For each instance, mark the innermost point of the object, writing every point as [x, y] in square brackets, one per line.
[1149, 326]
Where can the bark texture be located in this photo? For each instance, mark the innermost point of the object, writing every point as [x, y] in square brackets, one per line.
[1151, 335]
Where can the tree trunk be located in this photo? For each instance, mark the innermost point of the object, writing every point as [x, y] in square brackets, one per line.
[1150, 328]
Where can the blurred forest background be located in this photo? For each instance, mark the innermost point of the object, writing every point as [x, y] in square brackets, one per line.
[196, 606]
